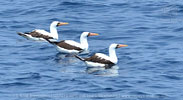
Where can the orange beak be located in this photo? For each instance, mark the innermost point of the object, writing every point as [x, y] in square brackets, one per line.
[62, 23]
[93, 34]
[121, 45]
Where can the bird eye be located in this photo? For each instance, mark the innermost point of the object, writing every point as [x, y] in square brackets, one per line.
[57, 24]
[88, 35]
[117, 46]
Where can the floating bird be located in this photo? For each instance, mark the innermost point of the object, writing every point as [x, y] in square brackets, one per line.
[72, 47]
[102, 60]
[41, 35]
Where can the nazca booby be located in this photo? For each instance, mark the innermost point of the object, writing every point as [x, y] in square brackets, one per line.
[41, 35]
[72, 47]
[102, 60]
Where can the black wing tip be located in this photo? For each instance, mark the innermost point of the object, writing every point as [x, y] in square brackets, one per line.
[79, 58]
[49, 41]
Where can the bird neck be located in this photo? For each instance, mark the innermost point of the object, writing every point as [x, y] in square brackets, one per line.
[84, 42]
[112, 55]
[53, 31]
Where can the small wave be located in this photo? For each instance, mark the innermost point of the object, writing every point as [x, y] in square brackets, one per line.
[31, 76]
[178, 29]
[138, 93]
[159, 87]
[72, 3]
[17, 84]
[9, 64]
[120, 4]
[172, 77]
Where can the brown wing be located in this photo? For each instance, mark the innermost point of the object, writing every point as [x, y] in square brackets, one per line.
[38, 35]
[65, 45]
[98, 59]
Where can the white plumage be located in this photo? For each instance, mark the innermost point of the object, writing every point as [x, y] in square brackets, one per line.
[70, 46]
[102, 60]
[41, 35]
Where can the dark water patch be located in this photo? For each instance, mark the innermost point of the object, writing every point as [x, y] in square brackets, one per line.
[82, 4]
[81, 82]
[9, 64]
[72, 3]
[173, 62]
[178, 30]
[152, 47]
[47, 76]
[32, 76]
[172, 77]
[138, 93]
[85, 91]
[142, 28]
[2, 74]
[3, 27]
[161, 27]
[175, 7]
[125, 86]
[159, 86]
[15, 84]
[141, 81]
[120, 5]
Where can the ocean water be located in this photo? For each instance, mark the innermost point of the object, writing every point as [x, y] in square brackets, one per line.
[150, 68]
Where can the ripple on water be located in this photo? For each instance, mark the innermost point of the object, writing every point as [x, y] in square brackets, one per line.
[29, 76]
[172, 77]
[178, 29]
[15, 84]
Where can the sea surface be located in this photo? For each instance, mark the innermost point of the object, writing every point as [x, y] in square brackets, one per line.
[150, 68]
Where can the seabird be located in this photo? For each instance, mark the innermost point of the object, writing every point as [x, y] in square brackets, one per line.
[72, 47]
[102, 60]
[41, 35]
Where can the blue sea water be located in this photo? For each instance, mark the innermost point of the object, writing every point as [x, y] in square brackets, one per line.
[150, 68]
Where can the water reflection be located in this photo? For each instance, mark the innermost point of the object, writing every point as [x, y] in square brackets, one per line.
[65, 59]
[69, 59]
[102, 71]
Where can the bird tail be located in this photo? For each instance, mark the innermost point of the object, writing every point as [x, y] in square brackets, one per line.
[21, 34]
[79, 58]
[52, 42]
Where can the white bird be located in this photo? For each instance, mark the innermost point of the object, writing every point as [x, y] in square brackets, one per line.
[72, 47]
[41, 35]
[102, 60]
